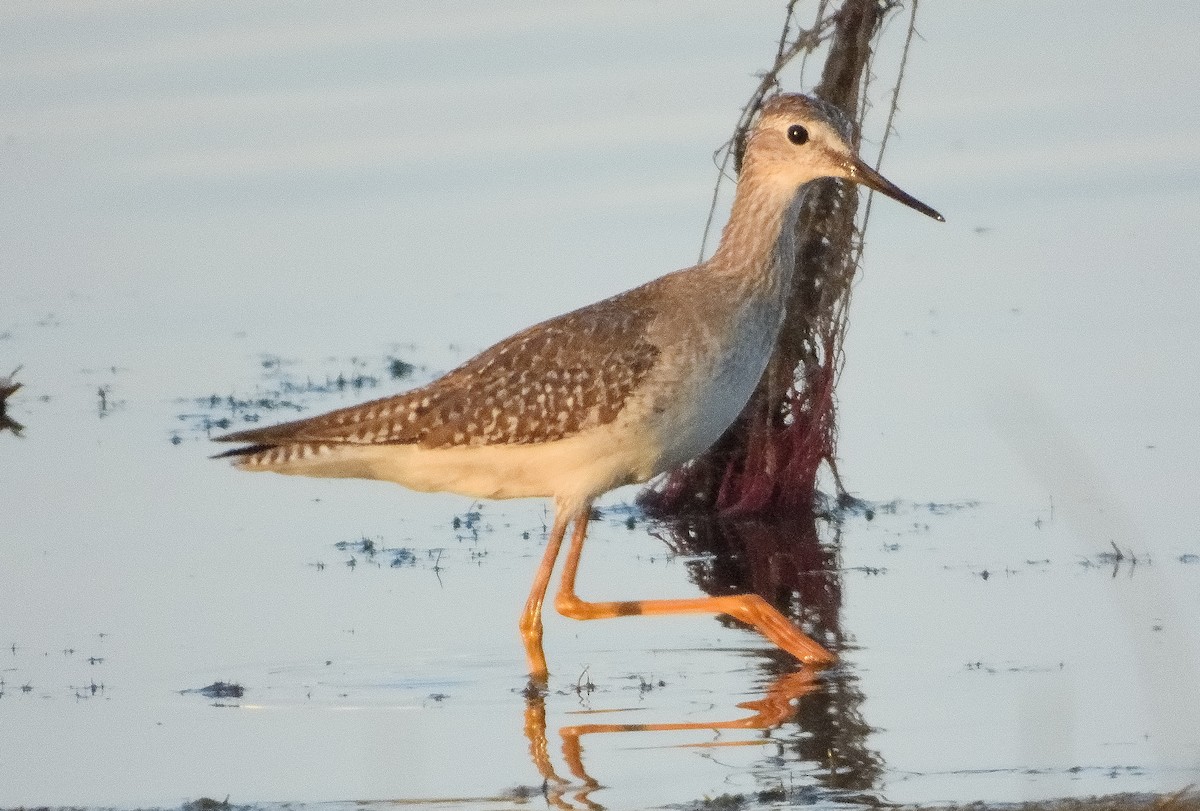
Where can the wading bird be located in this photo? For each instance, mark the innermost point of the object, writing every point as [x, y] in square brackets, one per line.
[610, 394]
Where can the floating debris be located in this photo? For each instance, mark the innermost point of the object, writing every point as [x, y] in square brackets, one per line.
[218, 689]
[7, 387]
[1116, 559]
[399, 369]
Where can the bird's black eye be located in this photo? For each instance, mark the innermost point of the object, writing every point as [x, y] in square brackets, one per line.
[797, 134]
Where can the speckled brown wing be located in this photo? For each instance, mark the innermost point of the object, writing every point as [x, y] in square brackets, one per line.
[548, 382]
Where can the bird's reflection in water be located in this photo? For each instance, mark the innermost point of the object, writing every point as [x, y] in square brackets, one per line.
[788, 563]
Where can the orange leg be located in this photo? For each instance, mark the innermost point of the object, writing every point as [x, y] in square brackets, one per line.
[748, 608]
[531, 618]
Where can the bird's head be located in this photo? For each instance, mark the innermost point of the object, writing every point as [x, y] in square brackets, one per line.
[800, 138]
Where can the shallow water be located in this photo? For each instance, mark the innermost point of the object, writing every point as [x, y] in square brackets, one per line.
[200, 206]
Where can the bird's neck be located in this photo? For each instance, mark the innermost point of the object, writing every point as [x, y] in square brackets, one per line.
[758, 244]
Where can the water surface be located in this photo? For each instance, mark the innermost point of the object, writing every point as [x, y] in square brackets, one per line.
[202, 202]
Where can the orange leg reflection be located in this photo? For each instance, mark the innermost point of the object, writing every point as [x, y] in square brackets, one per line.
[769, 712]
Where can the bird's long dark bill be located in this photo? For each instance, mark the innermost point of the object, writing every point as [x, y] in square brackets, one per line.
[861, 173]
